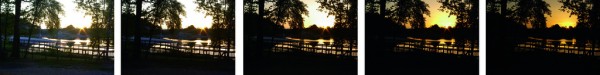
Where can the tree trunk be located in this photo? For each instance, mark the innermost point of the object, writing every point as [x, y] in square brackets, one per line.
[16, 39]
[108, 27]
[2, 43]
[137, 28]
[3, 33]
[30, 32]
[261, 13]
[503, 8]
[228, 46]
[382, 4]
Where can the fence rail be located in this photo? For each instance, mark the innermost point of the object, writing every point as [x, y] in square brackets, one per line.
[570, 47]
[342, 49]
[460, 48]
[188, 49]
[65, 50]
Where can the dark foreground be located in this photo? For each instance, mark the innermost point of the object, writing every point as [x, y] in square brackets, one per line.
[542, 63]
[38, 65]
[381, 59]
[258, 62]
[420, 63]
[165, 65]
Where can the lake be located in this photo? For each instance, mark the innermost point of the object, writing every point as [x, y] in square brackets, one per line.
[443, 46]
[198, 46]
[320, 46]
[76, 46]
[564, 46]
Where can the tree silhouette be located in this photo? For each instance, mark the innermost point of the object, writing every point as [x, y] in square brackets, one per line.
[587, 12]
[409, 12]
[466, 12]
[165, 12]
[43, 11]
[4, 13]
[499, 19]
[102, 21]
[128, 6]
[288, 12]
[250, 6]
[223, 14]
[280, 12]
[498, 6]
[16, 41]
[70, 29]
[2, 32]
[191, 29]
[531, 12]
[493, 6]
[377, 18]
[254, 10]
[467, 16]
[137, 28]
[376, 6]
[344, 11]
[588, 18]
[127, 18]
[131, 11]
[371, 6]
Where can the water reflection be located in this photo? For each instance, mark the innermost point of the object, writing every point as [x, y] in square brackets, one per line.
[444, 46]
[565, 46]
[320, 46]
[76, 46]
[197, 47]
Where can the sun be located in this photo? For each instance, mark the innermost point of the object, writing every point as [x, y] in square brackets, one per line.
[316, 17]
[444, 21]
[203, 26]
[441, 18]
[197, 18]
[567, 24]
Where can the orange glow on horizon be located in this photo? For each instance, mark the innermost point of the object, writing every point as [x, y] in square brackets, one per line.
[193, 17]
[562, 18]
[567, 24]
[316, 17]
[441, 18]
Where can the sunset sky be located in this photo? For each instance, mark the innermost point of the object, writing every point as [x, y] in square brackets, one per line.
[438, 17]
[314, 17]
[319, 18]
[442, 19]
[193, 17]
[559, 17]
[78, 19]
[71, 15]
